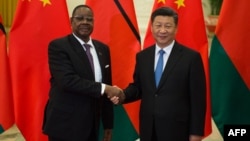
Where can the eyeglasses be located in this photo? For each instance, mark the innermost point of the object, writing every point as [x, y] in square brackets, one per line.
[80, 18]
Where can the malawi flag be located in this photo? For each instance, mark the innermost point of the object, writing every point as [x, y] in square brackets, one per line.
[192, 33]
[230, 67]
[115, 24]
[6, 98]
[36, 23]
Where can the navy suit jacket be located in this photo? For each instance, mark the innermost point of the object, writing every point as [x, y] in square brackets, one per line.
[75, 102]
[176, 108]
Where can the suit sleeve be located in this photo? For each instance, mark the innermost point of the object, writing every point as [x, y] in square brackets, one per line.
[67, 70]
[133, 92]
[107, 113]
[197, 96]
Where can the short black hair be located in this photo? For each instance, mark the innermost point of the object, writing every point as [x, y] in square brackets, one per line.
[165, 11]
[79, 6]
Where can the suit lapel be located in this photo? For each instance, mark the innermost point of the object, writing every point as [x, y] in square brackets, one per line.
[150, 58]
[100, 55]
[172, 60]
[151, 65]
[77, 47]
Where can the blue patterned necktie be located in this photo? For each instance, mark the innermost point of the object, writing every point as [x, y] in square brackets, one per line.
[90, 57]
[159, 68]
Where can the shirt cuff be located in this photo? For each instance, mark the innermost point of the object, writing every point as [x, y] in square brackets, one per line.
[103, 88]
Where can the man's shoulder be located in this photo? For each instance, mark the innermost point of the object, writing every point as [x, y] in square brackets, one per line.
[61, 38]
[147, 52]
[185, 48]
[147, 49]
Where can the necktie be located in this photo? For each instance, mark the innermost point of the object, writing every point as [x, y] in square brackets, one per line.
[159, 67]
[90, 57]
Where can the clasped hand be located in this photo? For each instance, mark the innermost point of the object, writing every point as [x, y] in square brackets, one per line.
[115, 94]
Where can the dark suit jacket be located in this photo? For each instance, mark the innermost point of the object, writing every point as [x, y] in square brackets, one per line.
[176, 108]
[75, 102]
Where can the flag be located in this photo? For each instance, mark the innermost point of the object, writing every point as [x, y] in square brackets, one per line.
[115, 24]
[6, 98]
[36, 23]
[230, 67]
[192, 33]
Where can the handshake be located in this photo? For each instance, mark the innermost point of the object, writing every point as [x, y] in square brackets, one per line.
[115, 94]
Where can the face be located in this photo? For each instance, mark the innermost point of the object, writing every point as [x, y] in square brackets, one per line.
[82, 23]
[164, 30]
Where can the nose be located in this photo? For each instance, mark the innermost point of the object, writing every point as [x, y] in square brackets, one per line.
[163, 29]
[84, 20]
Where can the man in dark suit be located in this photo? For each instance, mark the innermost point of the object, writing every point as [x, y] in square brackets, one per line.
[80, 70]
[173, 109]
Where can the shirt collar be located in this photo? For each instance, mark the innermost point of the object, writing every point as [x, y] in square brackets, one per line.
[90, 42]
[167, 49]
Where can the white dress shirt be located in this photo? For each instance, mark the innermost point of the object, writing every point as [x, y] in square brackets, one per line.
[97, 67]
[167, 50]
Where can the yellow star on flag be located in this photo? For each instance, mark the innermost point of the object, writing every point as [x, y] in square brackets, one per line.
[163, 1]
[180, 3]
[45, 2]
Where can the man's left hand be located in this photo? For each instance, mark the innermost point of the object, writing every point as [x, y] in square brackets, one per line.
[107, 135]
[195, 138]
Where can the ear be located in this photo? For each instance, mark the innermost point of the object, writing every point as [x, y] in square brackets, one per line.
[176, 29]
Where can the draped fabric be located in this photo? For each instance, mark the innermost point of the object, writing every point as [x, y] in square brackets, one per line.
[6, 97]
[36, 23]
[229, 66]
[115, 24]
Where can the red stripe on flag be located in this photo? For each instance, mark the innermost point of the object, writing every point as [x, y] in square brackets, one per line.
[6, 97]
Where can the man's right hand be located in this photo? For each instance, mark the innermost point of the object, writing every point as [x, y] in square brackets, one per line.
[115, 94]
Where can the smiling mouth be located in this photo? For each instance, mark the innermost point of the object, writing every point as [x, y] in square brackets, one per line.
[84, 29]
[162, 37]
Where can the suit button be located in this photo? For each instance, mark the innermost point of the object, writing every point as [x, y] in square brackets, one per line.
[156, 95]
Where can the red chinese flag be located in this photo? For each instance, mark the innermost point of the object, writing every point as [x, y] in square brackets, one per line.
[36, 23]
[192, 33]
[115, 24]
[6, 97]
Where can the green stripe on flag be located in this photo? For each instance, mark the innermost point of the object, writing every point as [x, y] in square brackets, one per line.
[230, 95]
[1, 129]
[123, 128]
